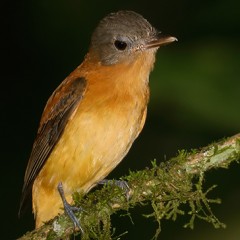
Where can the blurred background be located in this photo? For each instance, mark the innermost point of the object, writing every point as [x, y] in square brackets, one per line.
[195, 90]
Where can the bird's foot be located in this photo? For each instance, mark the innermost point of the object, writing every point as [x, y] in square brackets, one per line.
[120, 183]
[69, 209]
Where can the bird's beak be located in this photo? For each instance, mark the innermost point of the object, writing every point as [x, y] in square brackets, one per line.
[159, 41]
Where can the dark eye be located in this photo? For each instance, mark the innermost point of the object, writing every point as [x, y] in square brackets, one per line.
[120, 45]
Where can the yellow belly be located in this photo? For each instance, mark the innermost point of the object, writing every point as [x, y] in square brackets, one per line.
[97, 136]
[91, 146]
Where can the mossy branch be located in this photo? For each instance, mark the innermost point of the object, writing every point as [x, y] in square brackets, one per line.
[166, 187]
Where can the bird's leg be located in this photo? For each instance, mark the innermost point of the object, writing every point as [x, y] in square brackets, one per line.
[120, 183]
[69, 209]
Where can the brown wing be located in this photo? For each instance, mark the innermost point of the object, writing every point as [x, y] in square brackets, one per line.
[59, 108]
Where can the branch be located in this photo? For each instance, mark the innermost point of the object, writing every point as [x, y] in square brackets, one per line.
[166, 187]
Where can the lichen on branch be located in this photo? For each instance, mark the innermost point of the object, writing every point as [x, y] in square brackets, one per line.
[167, 187]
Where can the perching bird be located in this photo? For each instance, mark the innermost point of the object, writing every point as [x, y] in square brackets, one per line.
[93, 117]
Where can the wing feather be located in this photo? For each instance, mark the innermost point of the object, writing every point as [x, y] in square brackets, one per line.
[59, 108]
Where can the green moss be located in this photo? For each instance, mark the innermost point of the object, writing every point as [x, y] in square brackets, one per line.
[172, 189]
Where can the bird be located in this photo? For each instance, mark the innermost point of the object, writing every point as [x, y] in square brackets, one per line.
[93, 117]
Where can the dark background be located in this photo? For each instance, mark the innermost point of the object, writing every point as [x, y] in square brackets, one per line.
[195, 95]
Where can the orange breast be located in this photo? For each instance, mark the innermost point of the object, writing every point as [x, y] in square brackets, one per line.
[97, 137]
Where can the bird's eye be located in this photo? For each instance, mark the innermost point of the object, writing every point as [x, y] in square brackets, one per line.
[120, 45]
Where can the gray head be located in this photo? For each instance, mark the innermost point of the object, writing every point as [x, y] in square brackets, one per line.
[122, 35]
